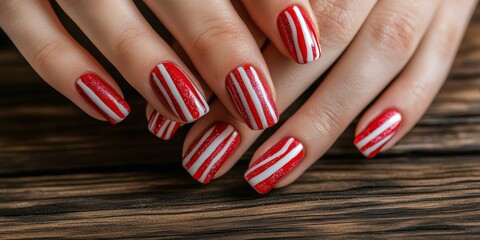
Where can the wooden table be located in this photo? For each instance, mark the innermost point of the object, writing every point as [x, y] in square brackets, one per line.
[63, 174]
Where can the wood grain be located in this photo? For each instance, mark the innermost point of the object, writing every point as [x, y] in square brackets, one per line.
[64, 175]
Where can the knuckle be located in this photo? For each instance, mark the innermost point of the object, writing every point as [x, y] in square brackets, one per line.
[335, 20]
[128, 39]
[325, 121]
[394, 33]
[418, 91]
[9, 13]
[447, 33]
[46, 55]
[216, 30]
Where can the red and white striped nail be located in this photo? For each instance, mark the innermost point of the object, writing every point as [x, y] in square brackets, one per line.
[273, 165]
[177, 92]
[252, 98]
[162, 127]
[298, 35]
[102, 97]
[211, 149]
[371, 140]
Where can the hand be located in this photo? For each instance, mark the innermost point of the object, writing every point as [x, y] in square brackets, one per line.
[212, 34]
[390, 57]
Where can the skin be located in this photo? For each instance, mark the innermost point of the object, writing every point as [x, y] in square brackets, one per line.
[127, 40]
[382, 54]
[402, 59]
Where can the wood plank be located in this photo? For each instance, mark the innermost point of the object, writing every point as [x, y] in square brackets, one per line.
[64, 175]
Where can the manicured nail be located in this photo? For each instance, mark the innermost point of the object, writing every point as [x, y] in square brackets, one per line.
[203, 159]
[177, 92]
[273, 165]
[298, 35]
[102, 97]
[162, 127]
[371, 140]
[252, 98]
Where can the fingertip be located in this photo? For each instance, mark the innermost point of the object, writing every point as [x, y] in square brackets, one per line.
[275, 164]
[252, 97]
[376, 136]
[298, 34]
[101, 96]
[210, 150]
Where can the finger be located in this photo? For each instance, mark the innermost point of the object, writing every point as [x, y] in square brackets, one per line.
[284, 71]
[290, 25]
[257, 33]
[60, 60]
[225, 54]
[130, 43]
[380, 50]
[159, 125]
[164, 128]
[400, 107]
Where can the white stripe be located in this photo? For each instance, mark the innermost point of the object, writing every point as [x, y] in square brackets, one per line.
[93, 96]
[295, 37]
[176, 94]
[170, 129]
[152, 124]
[277, 154]
[386, 125]
[219, 155]
[277, 166]
[305, 32]
[244, 101]
[210, 149]
[162, 129]
[164, 93]
[377, 145]
[198, 103]
[195, 149]
[253, 95]
[264, 93]
[204, 107]
[121, 107]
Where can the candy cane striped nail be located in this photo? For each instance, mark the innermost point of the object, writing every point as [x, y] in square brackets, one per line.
[298, 34]
[102, 97]
[252, 98]
[162, 127]
[203, 159]
[371, 140]
[177, 92]
[273, 165]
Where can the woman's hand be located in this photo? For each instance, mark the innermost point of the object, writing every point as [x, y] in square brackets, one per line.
[390, 57]
[212, 34]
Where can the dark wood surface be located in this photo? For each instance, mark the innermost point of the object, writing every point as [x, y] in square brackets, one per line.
[63, 174]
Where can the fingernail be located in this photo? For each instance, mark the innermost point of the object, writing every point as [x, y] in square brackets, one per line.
[208, 153]
[273, 165]
[162, 127]
[177, 92]
[298, 35]
[251, 97]
[102, 97]
[371, 140]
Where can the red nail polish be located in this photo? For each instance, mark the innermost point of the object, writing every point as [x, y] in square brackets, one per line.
[102, 97]
[251, 97]
[274, 164]
[162, 127]
[371, 140]
[177, 92]
[211, 149]
[298, 35]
